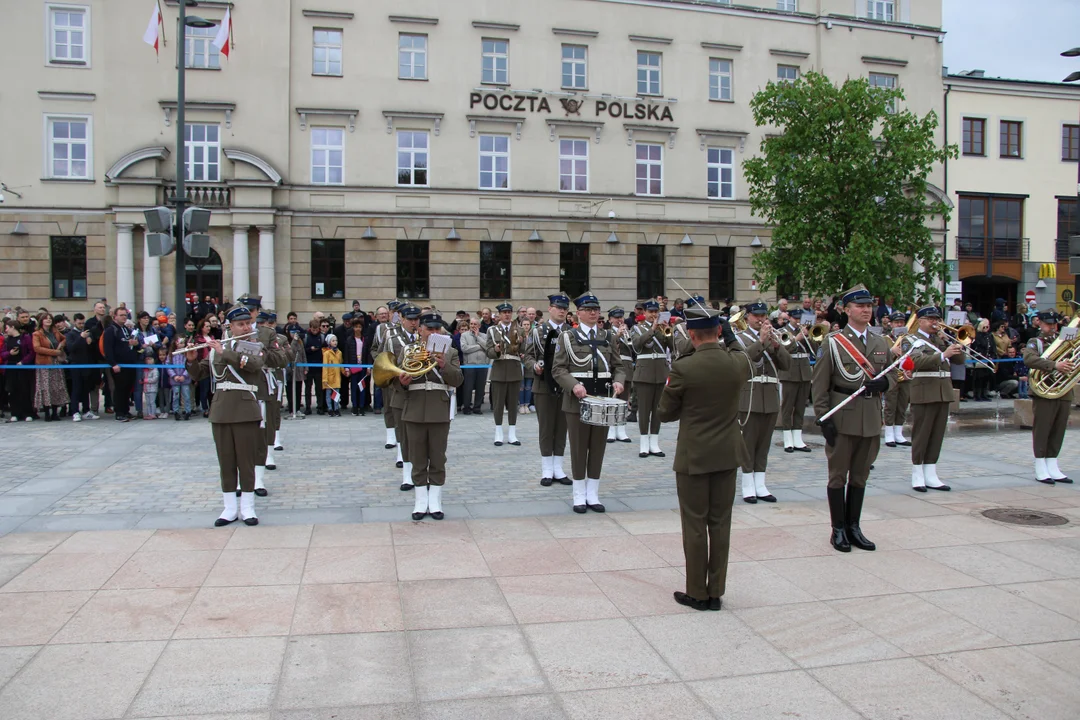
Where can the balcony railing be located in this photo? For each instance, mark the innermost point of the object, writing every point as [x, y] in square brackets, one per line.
[205, 196]
[968, 248]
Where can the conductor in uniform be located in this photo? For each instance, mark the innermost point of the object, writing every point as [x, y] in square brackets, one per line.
[235, 415]
[702, 394]
[1051, 414]
[551, 422]
[586, 363]
[852, 357]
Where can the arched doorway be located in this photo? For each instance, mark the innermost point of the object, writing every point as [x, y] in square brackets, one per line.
[204, 276]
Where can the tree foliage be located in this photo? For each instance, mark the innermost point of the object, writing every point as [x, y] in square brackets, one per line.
[844, 189]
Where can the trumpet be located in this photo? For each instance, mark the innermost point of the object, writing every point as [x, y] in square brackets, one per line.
[206, 345]
[664, 330]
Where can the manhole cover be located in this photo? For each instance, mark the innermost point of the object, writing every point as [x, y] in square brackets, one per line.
[1020, 516]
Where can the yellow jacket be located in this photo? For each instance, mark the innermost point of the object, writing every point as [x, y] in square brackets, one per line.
[331, 376]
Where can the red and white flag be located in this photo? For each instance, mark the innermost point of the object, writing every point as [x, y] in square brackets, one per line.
[153, 34]
[224, 34]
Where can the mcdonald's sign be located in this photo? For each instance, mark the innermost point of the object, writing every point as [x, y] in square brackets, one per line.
[1047, 271]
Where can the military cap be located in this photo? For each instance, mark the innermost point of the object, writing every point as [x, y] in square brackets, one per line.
[432, 320]
[700, 317]
[898, 317]
[616, 312]
[504, 307]
[651, 305]
[858, 295]
[559, 300]
[757, 308]
[239, 312]
[1048, 316]
[253, 302]
[409, 311]
[928, 311]
[587, 301]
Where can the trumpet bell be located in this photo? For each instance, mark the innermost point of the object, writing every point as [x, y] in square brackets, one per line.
[384, 370]
[819, 331]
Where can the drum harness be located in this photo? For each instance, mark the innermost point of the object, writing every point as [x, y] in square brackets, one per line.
[593, 359]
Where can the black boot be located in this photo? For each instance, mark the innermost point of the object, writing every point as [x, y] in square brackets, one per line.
[839, 539]
[855, 497]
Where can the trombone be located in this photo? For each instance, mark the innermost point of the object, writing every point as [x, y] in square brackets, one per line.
[965, 336]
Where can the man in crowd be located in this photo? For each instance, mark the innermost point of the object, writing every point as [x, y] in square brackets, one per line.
[120, 349]
[79, 341]
[94, 378]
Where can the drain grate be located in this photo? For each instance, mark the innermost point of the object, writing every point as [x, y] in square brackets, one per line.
[1022, 516]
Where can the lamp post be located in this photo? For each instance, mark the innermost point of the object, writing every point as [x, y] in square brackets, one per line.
[180, 198]
[1073, 77]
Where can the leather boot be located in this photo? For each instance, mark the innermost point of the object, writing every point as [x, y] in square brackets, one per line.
[839, 539]
[854, 512]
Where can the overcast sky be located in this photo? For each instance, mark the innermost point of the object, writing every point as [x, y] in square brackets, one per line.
[1019, 39]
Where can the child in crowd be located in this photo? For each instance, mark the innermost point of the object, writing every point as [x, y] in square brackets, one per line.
[180, 381]
[164, 397]
[151, 376]
[331, 376]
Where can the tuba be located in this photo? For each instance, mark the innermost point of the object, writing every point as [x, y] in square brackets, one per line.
[417, 363]
[1053, 384]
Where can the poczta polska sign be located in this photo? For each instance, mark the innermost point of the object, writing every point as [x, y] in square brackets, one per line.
[572, 106]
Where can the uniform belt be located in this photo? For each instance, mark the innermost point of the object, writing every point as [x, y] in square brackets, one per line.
[799, 356]
[430, 386]
[235, 386]
[509, 357]
[629, 358]
[767, 379]
[935, 374]
[601, 376]
[852, 391]
[652, 356]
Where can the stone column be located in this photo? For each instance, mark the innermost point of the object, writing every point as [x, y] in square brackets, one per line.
[241, 279]
[125, 268]
[151, 281]
[266, 266]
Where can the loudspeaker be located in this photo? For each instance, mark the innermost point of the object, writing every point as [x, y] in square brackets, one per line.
[197, 245]
[159, 244]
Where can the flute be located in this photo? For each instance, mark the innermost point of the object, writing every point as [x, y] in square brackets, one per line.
[206, 345]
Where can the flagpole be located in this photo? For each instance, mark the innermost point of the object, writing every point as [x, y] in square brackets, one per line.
[180, 276]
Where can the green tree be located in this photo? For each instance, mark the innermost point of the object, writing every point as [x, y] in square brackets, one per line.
[844, 189]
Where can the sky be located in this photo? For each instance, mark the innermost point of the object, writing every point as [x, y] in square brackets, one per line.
[1019, 39]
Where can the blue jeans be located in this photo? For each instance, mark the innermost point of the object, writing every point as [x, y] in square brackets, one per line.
[1022, 390]
[359, 397]
[181, 399]
[331, 403]
[525, 394]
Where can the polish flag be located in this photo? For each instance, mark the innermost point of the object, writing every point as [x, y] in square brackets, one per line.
[152, 36]
[221, 40]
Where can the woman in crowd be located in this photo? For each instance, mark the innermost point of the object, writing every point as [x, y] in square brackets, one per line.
[981, 376]
[18, 349]
[313, 347]
[50, 392]
[203, 335]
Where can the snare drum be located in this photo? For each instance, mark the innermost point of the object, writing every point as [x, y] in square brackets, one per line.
[607, 412]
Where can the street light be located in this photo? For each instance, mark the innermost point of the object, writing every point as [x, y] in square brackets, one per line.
[180, 199]
[1074, 240]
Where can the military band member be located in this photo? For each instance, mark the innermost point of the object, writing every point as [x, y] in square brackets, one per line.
[586, 363]
[931, 395]
[276, 358]
[540, 353]
[386, 329]
[235, 415]
[504, 349]
[853, 435]
[397, 342]
[701, 394]
[625, 348]
[426, 416]
[795, 387]
[274, 369]
[653, 347]
[898, 398]
[1051, 417]
[759, 404]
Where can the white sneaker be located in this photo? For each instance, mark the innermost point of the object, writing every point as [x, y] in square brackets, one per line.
[89, 415]
[76, 418]
[532, 408]
[29, 419]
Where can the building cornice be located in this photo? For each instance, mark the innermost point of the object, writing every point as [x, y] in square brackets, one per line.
[393, 115]
[504, 27]
[592, 126]
[1016, 88]
[777, 52]
[169, 106]
[575, 33]
[649, 39]
[874, 60]
[721, 46]
[332, 14]
[668, 130]
[517, 122]
[155, 152]
[349, 113]
[414, 19]
[737, 135]
[69, 96]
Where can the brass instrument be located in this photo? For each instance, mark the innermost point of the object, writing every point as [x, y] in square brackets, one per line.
[513, 344]
[417, 363]
[819, 331]
[1054, 384]
[664, 330]
[738, 321]
[965, 336]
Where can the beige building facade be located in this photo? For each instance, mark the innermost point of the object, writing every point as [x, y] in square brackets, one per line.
[1014, 187]
[460, 153]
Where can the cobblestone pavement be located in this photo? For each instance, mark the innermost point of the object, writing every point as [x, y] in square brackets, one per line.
[107, 475]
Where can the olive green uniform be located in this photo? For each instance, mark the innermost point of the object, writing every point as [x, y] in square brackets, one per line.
[506, 372]
[652, 350]
[1051, 417]
[931, 393]
[795, 382]
[759, 402]
[426, 419]
[550, 419]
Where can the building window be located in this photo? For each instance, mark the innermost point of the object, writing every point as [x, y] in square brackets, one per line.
[69, 146]
[993, 224]
[787, 5]
[787, 73]
[574, 268]
[495, 266]
[494, 162]
[648, 73]
[574, 165]
[650, 271]
[721, 173]
[412, 57]
[326, 53]
[1068, 225]
[327, 156]
[412, 154]
[412, 268]
[327, 269]
[1010, 139]
[202, 152]
[719, 79]
[974, 136]
[69, 34]
[68, 260]
[881, 10]
[199, 50]
[888, 82]
[496, 62]
[574, 67]
[650, 169]
[721, 273]
[1070, 142]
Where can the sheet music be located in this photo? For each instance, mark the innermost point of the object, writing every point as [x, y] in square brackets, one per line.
[438, 343]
